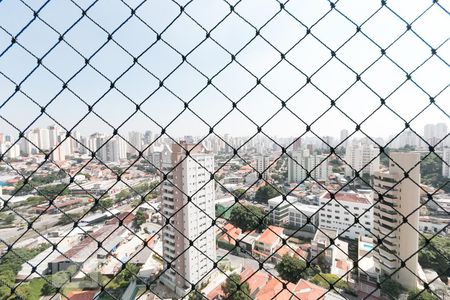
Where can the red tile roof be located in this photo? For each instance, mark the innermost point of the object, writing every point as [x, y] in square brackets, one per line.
[347, 197]
[271, 235]
[81, 295]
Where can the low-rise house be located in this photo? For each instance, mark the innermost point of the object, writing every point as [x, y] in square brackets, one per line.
[268, 242]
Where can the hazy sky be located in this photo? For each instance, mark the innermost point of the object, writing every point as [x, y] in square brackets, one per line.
[235, 81]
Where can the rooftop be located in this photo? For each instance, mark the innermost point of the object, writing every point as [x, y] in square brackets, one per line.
[347, 197]
[270, 235]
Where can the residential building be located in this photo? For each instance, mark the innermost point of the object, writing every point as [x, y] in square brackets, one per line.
[10, 150]
[279, 209]
[262, 165]
[363, 158]
[339, 213]
[397, 201]
[343, 138]
[301, 162]
[136, 142]
[446, 163]
[189, 219]
[303, 216]
[435, 134]
[113, 150]
[268, 242]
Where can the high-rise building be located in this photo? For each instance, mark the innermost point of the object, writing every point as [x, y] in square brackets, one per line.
[343, 137]
[62, 149]
[113, 151]
[262, 165]
[363, 158]
[446, 162]
[10, 150]
[136, 142]
[188, 203]
[148, 137]
[301, 162]
[397, 200]
[435, 134]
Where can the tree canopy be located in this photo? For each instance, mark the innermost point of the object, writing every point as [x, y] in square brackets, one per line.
[234, 290]
[435, 255]
[292, 269]
[248, 217]
[263, 194]
[325, 279]
[421, 295]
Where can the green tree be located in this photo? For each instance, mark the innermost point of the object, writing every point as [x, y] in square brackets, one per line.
[291, 268]
[325, 279]
[240, 193]
[432, 256]
[421, 295]
[196, 295]
[234, 290]
[7, 218]
[248, 217]
[105, 203]
[125, 276]
[431, 172]
[139, 219]
[68, 218]
[263, 194]
[391, 288]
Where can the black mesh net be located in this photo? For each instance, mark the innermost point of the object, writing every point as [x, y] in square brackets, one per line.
[187, 149]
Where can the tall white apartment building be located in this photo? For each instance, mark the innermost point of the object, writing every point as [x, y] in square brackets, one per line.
[340, 213]
[361, 155]
[187, 176]
[434, 133]
[446, 162]
[10, 150]
[113, 151]
[400, 199]
[62, 148]
[302, 161]
[262, 165]
[136, 140]
[343, 136]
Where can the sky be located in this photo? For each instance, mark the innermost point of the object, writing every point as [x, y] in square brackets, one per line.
[255, 57]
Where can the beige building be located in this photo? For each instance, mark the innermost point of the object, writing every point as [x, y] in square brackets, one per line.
[188, 220]
[400, 200]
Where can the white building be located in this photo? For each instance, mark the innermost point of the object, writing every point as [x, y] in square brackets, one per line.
[446, 163]
[363, 158]
[400, 200]
[63, 148]
[189, 176]
[262, 165]
[279, 209]
[434, 133]
[136, 141]
[113, 150]
[301, 162]
[340, 213]
[299, 213]
[343, 137]
[9, 150]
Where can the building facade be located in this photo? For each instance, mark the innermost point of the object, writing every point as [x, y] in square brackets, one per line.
[399, 199]
[339, 214]
[363, 158]
[188, 238]
[301, 162]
